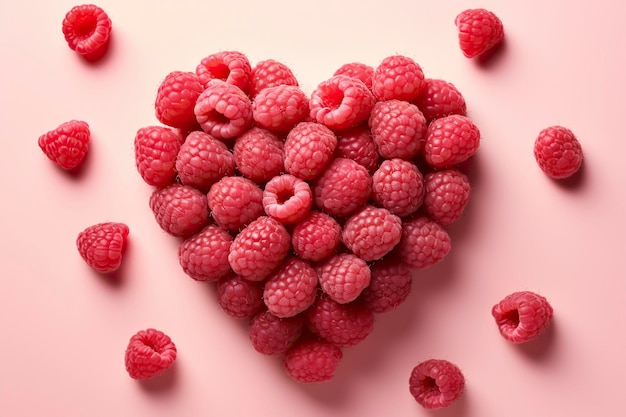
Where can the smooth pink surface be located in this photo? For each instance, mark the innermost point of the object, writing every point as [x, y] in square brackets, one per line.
[64, 328]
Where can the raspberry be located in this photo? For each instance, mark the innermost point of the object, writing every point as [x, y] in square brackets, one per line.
[436, 383]
[424, 242]
[398, 128]
[372, 232]
[102, 245]
[358, 70]
[440, 98]
[87, 30]
[176, 99]
[447, 193]
[180, 210]
[357, 144]
[397, 77]
[271, 335]
[231, 67]
[558, 152]
[204, 256]
[270, 73]
[203, 160]
[235, 202]
[479, 31]
[341, 102]
[287, 199]
[522, 316]
[259, 248]
[156, 149]
[223, 110]
[450, 140]
[259, 155]
[239, 297]
[149, 353]
[312, 361]
[316, 237]
[67, 144]
[343, 277]
[389, 287]
[398, 186]
[309, 147]
[280, 108]
[343, 188]
[291, 289]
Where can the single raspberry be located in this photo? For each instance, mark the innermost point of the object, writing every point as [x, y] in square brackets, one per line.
[440, 98]
[280, 108]
[204, 256]
[436, 383]
[558, 152]
[223, 110]
[398, 128]
[424, 242]
[149, 353]
[87, 30]
[238, 297]
[203, 160]
[522, 316]
[479, 31]
[398, 186]
[363, 72]
[389, 287]
[235, 202]
[343, 188]
[397, 77]
[271, 335]
[270, 73]
[176, 98]
[357, 144]
[232, 67]
[291, 289]
[102, 245]
[447, 193]
[372, 232]
[309, 147]
[259, 155]
[312, 361]
[180, 210]
[287, 199]
[343, 277]
[316, 237]
[67, 144]
[450, 140]
[156, 149]
[259, 248]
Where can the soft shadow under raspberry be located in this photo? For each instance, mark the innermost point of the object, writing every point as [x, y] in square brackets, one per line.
[491, 57]
[541, 348]
[574, 182]
[163, 382]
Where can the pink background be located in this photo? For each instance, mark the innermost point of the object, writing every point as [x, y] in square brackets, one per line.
[64, 328]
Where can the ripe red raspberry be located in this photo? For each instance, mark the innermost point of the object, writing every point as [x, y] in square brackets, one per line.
[67, 144]
[522, 316]
[238, 297]
[176, 98]
[156, 149]
[316, 237]
[397, 77]
[439, 99]
[424, 242]
[271, 335]
[270, 73]
[312, 361]
[343, 188]
[343, 277]
[235, 202]
[447, 193]
[149, 353]
[436, 383]
[280, 108]
[259, 248]
[363, 72]
[479, 31]
[180, 210]
[102, 245]
[259, 155]
[203, 160]
[398, 186]
[372, 232]
[223, 110]
[558, 152]
[450, 140]
[389, 287]
[398, 128]
[204, 256]
[357, 144]
[309, 147]
[341, 102]
[232, 67]
[291, 289]
[87, 30]
[287, 199]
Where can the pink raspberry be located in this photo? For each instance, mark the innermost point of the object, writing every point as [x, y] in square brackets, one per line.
[259, 155]
[270, 73]
[447, 193]
[358, 70]
[316, 237]
[180, 210]
[259, 248]
[156, 149]
[271, 335]
[287, 199]
[558, 152]
[149, 353]
[436, 383]
[309, 147]
[343, 277]
[372, 232]
[424, 242]
[357, 144]
[440, 98]
[67, 144]
[235, 202]
[450, 140]
[204, 256]
[102, 245]
[291, 289]
[397, 77]
[398, 186]
[341, 102]
[239, 297]
[223, 110]
[522, 316]
[343, 188]
[398, 128]
[312, 361]
[176, 99]
[232, 67]
[479, 31]
[389, 287]
[280, 108]
[87, 30]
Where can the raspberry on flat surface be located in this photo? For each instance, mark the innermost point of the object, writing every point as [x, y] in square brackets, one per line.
[87, 30]
[280, 108]
[450, 140]
[149, 353]
[357, 144]
[291, 289]
[223, 110]
[372, 232]
[259, 155]
[271, 335]
[270, 73]
[67, 144]
[363, 72]
[447, 193]
[180, 210]
[235, 202]
[522, 316]
[398, 128]
[156, 150]
[176, 98]
[436, 383]
[203, 160]
[238, 297]
[343, 188]
[424, 242]
[389, 287]
[397, 77]
[204, 256]
[316, 237]
[440, 98]
[558, 152]
[398, 186]
[287, 199]
[311, 361]
[102, 245]
[309, 148]
[343, 277]
[479, 31]
[232, 67]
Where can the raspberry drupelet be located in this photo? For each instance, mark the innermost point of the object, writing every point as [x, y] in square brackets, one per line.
[436, 383]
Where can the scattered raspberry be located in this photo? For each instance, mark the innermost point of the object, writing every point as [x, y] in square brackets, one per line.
[312, 361]
[398, 186]
[291, 289]
[66, 145]
[149, 353]
[439, 99]
[287, 199]
[343, 277]
[479, 31]
[180, 210]
[522, 316]
[87, 30]
[397, 77]
[343, 188]
[176, 99]
[280, 108]
[424, 242]
[156, 149]
[372, 232]
[239, 298]
[270, 73]
[389, 287]
[223, 110]
[558, 152]
[398, 128]
[316, 237]
[259, 155]
[102, 245]
[231, 67]
[204, 256]
[235, 202]
[357, 144]
[358, 70]
[450, 140]
[447, 194]
[436, 383]
[271, 335]
[309, 147]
